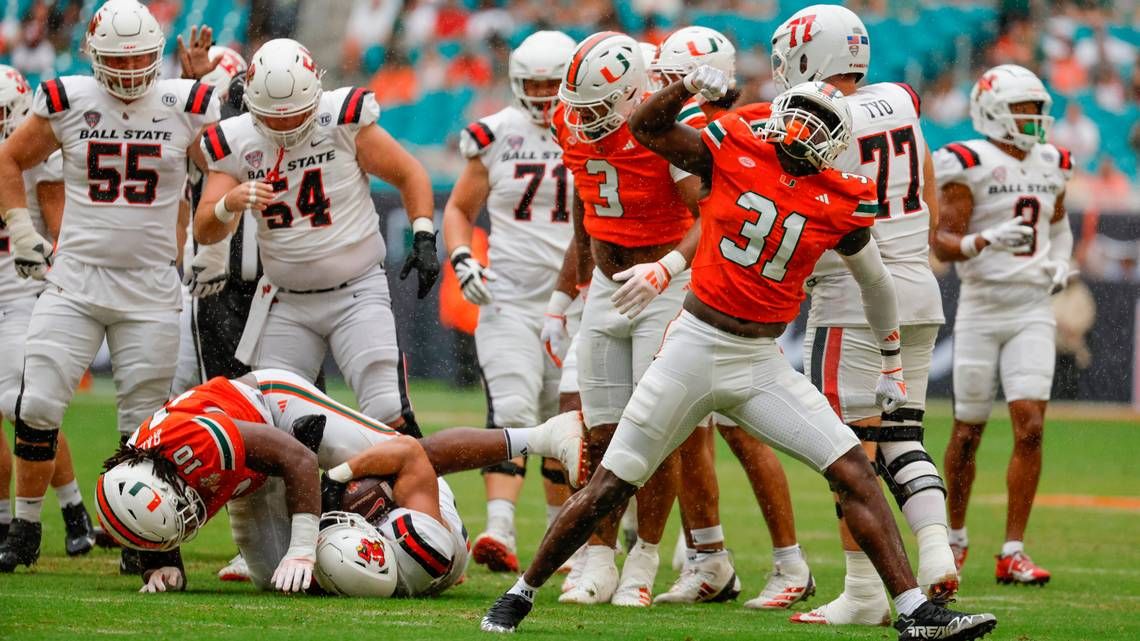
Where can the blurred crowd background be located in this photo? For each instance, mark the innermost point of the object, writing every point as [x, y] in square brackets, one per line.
[437, 64]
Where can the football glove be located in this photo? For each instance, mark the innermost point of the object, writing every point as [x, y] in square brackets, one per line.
[1011, 236]
[295, 571]
[424, 260]
[643, 282]
[890, 390]
[473, 276]
[1059, 274]
[711, 83]
[209, 269]
[31, 252]
[164, 579]
[554, 335]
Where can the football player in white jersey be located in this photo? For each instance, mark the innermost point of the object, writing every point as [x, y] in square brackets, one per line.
[1004, 226]
[301, 159]
[515, 167]
[44, 186]
[125, 136]
[830, 43]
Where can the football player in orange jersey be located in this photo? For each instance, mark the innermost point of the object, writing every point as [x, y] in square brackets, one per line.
[773, 207]
[632, 211]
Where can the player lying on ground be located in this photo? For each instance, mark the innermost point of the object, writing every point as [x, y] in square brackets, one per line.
[762, 231]
[222, 441]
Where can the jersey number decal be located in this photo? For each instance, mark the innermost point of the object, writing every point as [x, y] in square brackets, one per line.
[311, 203]
[184, 459]
[107, 182]
[877, 148]
[1028, 208]
[607, 189]
[757, 233]
[537, 171]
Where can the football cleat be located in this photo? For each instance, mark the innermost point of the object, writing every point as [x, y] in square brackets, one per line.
[105, 540]
[680, 552]
[787, 585]
[236, 570]
[130, 562]
[932, 621]
[3, 534]
[496, 551]
[22, 547]
[598, 582]
[845, 610]
[506, 614]
[937, 573]
[564, 437]
[710, 579]
[80, 537]
[960, 552]
[637, 574]
[1019, 569]
[577, 564]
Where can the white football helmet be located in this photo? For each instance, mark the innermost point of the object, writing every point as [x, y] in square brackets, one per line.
[283, 81]
[819, 42]
[813, 122]
[143, 512]
[604, 82]
[997, 90]
[229, 67]
[124, 29]
[352, 558]
[424, 550]
[15, 100]
[542, 56]
[688, 48]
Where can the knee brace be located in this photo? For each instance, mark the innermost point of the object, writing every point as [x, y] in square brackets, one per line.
[33, 444]
[510, 468]
[907, 470]
[555, 475]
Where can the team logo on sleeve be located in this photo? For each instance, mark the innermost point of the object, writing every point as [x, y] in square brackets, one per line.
[324, 119]
[169, 99]
[92, 118]
[254, 158]
[370, 551]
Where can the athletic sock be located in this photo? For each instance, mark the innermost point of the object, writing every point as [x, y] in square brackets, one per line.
[524, 590]
[909, 601]
[1010, 548]
[645, 547]
[29, 509]
[788, 555]
[501, 515]
[69, 495]
[5, 511]
[518, 440]
[959, 537]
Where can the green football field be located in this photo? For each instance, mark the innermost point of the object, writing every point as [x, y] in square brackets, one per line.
[1086, 530]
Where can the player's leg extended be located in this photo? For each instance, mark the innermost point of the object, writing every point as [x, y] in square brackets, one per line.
[142, 377]
[791, 580]
[555, 484]
[1027, 361]
[79, 531]
[976, 352]
[511, 359]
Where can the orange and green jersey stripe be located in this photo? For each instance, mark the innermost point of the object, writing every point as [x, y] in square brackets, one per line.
[320, 400]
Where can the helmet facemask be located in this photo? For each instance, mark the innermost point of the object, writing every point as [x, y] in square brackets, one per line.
[807, 130]
[292, 137]
[1022, 130]
[538, 108]
[596, 120]
[126, 84]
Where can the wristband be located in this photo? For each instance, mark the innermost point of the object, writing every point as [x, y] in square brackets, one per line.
[223, 214]
[460, 254]
[969, 245]
[674, 263]
[892, 363]
[424, 225]
[559, 302]
[303, 535]
[688, 84]
[341, 473]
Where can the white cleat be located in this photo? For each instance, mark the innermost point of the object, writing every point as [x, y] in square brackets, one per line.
[845, 610]
[635, 589]
[680, 552]
[598, 581]
[787, 585]
[496, 550]
[235, 570]
[573, 568]
[706, 578]
[563, 437]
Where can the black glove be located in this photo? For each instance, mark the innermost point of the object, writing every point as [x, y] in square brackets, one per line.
[310, 430]
[332, 494]
[424, 259]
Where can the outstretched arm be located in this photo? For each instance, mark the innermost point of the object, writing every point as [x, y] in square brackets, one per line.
[402, 457]
[654, 124]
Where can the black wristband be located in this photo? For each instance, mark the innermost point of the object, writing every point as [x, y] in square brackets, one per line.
[459, 258]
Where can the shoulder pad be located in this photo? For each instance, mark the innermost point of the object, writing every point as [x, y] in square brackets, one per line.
[481, 134]
[913, 96]
[198, 99]
[56, 95]
[214, 140]
[1066, 160]
[968, 157]
[352, 107]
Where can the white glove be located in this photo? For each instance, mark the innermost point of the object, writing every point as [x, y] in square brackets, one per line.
[472, 275]
[890, 390]
[644, 281]
[554, 335]
[1011, 236]
[31, 252]
[164, 579]
[295, 571]
[208, 270]
[708, 81]
[1059, 273]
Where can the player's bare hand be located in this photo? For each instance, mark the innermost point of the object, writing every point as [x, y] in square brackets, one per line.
[643, 282]
[473, 277]
[164, 579]
[255, 195]
[711, 83]
[31, 252]
[890, 391]
[293, 574]
[1011, 236]
[195, 58]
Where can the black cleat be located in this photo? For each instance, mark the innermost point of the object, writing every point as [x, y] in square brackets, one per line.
[104, 540]
[507, 613]
[931, 621]
[22, 547]
[80, 532]
[3, 534]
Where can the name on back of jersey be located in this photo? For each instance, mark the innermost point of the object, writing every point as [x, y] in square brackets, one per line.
[257, 170]
[126, 134]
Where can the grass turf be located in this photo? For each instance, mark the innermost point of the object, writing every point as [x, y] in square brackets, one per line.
[1093, 553]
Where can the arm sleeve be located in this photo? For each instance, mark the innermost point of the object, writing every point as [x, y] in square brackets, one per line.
[878, 290]
[1061, 240]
